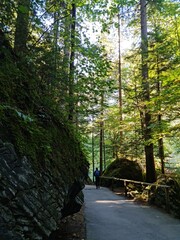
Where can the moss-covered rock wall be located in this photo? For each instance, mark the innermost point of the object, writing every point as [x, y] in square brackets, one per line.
[42, 173]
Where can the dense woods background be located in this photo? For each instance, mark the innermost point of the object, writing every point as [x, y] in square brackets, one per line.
[109, 68]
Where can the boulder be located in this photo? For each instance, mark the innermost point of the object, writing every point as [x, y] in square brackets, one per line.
[122, 168]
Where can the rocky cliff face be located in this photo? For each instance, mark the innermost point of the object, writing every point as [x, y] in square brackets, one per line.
[42, 167]
[33, 203]
[34, 198]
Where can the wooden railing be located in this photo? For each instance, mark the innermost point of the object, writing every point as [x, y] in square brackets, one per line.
[127, 181]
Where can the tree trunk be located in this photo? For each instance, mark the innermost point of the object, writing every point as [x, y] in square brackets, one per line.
[160, 139]
[101, 148]
[161, 154]
[120, 78]
[22, 26]
[72, 66]
[93, 153]
[56, 36]
[149, 152]
[104, 149]
[66, 54]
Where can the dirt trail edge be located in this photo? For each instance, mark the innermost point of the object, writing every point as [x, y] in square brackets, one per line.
[112, 217]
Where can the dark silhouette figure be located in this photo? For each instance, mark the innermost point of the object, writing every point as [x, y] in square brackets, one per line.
[97, 179]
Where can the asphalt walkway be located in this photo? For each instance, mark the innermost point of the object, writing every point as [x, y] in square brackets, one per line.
[112, 217]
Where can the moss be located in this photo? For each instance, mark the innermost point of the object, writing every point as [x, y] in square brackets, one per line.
[45, 139]
[30, 118]
[158, 196]
[22, 131]
[123, 168]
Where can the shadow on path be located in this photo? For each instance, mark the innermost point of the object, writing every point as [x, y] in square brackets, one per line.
[112, 217]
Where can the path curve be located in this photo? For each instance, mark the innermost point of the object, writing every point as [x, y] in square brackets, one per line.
[112, 217]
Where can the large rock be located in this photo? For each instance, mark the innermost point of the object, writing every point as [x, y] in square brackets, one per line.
[122, 168]
[42, 173]
[42, 167]
[33, 203]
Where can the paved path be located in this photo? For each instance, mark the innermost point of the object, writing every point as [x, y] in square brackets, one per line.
[112, 217]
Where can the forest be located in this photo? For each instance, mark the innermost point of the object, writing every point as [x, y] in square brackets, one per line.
[109, 68]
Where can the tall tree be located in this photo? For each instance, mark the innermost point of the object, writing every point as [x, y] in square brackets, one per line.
[22, 26]
[149, 153]
[101, 142]
[120, 76]
[72, 63]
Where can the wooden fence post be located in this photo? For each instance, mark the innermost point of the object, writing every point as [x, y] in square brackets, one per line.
[125, 188]
[112, 184]
[167, 199]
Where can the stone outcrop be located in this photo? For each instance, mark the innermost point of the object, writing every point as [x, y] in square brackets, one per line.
[32, 201]
[122, 168]
[42, 166]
